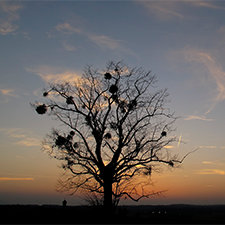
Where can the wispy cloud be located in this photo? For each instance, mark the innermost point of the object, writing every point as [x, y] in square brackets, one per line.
[167, 10]
[67, 29]
[214, 69]
[207, 4]
[212, 72]
[9, 92]
[6, 27]
[9, 16]
[54, 74]
[108, 43]
[210, 146]
[28, 142]
[15, 178]
[207, 162]
[169, 146]
[67, 46]
[216, 162]
[211, 172]
[163, 9]
[197, 118]
[26, 137]
[105, 42]
[178, 144]
[101, 40]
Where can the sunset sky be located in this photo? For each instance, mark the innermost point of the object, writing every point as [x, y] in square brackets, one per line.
[182, 42]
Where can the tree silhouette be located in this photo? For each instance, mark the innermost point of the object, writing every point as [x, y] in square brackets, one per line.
[116, 131]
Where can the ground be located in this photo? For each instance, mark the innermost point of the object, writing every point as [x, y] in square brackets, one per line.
[170, 214]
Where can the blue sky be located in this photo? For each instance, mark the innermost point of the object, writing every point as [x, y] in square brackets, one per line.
[182, 42]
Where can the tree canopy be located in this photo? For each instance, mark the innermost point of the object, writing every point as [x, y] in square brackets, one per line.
[116, 129]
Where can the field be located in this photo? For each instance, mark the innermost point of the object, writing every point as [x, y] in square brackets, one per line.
[170, 214]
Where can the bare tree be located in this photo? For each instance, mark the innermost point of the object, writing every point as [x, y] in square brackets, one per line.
[116, 131]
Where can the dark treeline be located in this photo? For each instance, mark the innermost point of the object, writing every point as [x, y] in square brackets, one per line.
[170, 214]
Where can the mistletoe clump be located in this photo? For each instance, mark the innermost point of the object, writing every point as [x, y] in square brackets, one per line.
[108, 76]
[108, 136]
[41, 109]
[113, 89]
[45, 94]
[60, 141]
[69, 100]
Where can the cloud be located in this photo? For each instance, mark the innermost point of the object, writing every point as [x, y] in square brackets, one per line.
[13, 131]
[108, 43]
[206, 5]
[167, 10]
[68, 46]
[15, 178]
[54, 74]
[26, 137]
[169, 146]
[212, 147]
[163, 10]
[178, 144]
[66, 28]
[212, 73]
[9, 15]
[211, 172]
[9, 92]
[212, 67]
[219, 163]
[207, 162]
[28, 142]
[197, 118]
[105, 42]
[6, 27]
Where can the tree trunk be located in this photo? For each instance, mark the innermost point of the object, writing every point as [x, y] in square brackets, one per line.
[108, 194]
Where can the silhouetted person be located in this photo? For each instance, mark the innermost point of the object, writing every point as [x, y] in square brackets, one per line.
[64, 203]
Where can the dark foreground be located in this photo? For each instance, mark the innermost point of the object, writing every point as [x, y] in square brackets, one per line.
[172, 214]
